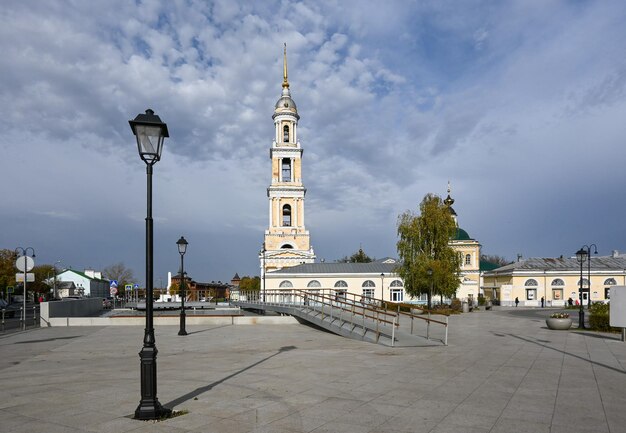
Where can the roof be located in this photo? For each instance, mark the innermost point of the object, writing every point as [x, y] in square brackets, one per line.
[488, 266]
[461, 235]
[607, 263]
[84, 275]
[376, 267]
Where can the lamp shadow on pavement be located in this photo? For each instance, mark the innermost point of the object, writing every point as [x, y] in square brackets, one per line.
[46, 340]
[528, 340]
[200, 390]
[208, 329]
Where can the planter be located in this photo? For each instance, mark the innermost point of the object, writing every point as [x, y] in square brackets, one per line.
[559, 324]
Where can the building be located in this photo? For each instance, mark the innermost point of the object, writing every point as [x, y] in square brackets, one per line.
[199, 292]
[555, 280]
[286, 241]
[88, 283]
[287, 259]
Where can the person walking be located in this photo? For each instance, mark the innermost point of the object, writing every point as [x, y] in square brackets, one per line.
[516, 301]
[542, 302]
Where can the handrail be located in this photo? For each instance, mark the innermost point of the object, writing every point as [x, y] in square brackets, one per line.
[324, 300]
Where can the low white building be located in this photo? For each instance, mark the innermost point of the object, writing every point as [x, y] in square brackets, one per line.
[88, 283]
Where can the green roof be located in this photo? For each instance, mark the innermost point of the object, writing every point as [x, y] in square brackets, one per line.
[488, 266]
[461, 235]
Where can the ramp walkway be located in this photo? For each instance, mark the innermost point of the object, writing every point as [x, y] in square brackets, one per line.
[352, 316]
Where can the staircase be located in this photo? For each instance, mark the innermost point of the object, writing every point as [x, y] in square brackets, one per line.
[351, 316]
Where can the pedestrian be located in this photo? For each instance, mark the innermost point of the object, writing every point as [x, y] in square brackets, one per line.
[516, 301]
[570, 302]
[542, 302]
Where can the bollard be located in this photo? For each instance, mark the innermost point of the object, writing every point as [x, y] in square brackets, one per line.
[428, 327]
[23, 318]
[34, 316]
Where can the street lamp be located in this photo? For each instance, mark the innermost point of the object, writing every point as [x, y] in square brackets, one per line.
[27, 265]
[581, 256]
[382, 285]
[182, 249]
[595, 251]
[429, 272]
[263, 269]
[150, 133]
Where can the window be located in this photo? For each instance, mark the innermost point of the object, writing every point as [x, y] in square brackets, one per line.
[557, 294]
[585, 283]
[314, 283]
[468, 259]
[285, 284]
[558, 282]
[531, 294]
[396, 283]
[531, 282]
[341, 283]
[397, 295]
[286, 134]
[286, 167]
[287, 215]
[610, 282]
[287, 247]
[368, 283]
[368, 293]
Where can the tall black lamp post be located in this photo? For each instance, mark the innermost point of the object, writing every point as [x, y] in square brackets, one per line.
[150, 133]
[429, 272]
[595, 251]
[581, 256]
[182, 249]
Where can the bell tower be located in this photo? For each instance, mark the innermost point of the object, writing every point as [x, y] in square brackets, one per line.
[287, 241]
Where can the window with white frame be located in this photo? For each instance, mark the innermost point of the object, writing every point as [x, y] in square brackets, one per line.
[285, 284]
[396, 292]
[314, 283]
[468, 259]
[531, 289]
[286, 216]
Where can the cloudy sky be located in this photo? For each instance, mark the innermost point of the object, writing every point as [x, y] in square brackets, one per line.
[521, 105]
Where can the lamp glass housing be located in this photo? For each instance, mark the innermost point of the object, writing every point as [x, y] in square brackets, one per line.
[581, 255]
[150, 133]
[182, 245]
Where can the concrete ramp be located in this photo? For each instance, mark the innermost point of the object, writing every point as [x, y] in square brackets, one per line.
[360, 320]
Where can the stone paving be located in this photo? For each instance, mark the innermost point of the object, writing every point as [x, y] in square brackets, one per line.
[500, 373]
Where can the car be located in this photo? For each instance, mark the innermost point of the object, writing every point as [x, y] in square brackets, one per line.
[106, 304]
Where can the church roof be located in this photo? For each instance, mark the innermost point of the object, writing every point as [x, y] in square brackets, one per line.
[461, 235]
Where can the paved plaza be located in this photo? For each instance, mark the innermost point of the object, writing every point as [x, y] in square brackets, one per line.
[501, 372]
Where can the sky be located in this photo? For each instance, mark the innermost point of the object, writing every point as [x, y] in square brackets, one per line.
[520, 105]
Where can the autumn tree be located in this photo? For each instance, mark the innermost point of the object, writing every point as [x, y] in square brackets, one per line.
[250, 284]
[7, 269]
[121, 274]
[423, 245]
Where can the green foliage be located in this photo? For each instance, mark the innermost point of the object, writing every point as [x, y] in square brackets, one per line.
[599, 318]
[456, 305]
[358, 257]
[481, 300]
[423, 245]
[495, 259]
[7, 268]
[250, 284]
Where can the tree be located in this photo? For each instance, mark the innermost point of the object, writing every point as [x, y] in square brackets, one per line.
[250, 283]
[121, 274]
[495, 259]
[7, 269]
[358, 257]
[44, 277]
[424, 244]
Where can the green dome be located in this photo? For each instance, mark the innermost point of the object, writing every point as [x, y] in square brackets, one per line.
[461, 235]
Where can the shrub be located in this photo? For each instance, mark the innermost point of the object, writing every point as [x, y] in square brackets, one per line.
[599, 318]
[481, 300]
[456, 305]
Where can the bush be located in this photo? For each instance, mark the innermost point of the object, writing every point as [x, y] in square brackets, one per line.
[599, 318]
[481, 300]
[456, 305]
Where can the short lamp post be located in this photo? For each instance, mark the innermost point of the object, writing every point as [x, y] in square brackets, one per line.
[429, 272]
[150, 133]
[581, 256]
[182, 249]
[382, 285]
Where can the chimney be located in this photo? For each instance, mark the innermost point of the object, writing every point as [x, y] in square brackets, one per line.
[519, 257]
[615, 254]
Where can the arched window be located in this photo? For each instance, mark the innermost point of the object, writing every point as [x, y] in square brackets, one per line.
[468, 259]
[396, 283]
[558, 282]
[368, 283]
[531, 289]
[610, 282]
[531, 282]
[287, 247]
[341, 283]
[285, 284]
[286, 134]
[314, 283]
[287, 215]
[286, 167]
[585, 282]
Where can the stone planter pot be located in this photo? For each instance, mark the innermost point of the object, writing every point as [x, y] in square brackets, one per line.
[559, 324]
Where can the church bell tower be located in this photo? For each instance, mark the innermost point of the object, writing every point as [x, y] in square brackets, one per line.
[287, 241]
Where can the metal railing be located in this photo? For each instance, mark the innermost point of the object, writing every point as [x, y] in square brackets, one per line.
[366, 313]
[16, 319]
